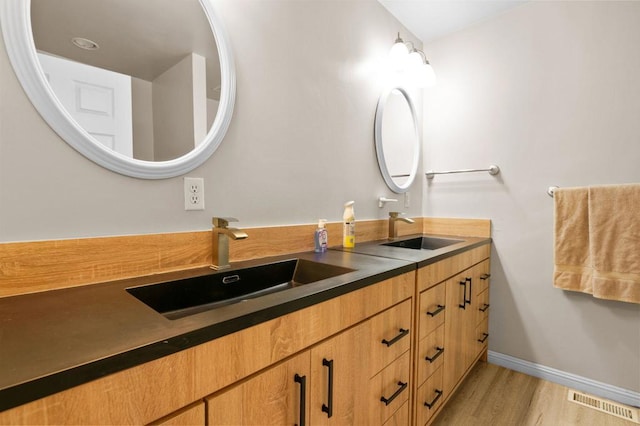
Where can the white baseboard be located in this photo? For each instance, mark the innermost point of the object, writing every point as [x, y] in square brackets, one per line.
[580, 383]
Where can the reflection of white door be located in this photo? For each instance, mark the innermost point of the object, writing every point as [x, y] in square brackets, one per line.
[99, 100]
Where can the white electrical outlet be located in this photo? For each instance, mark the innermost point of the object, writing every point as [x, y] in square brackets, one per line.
[193, 193]
[407, 202]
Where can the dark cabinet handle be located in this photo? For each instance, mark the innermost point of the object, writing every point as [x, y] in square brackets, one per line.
[328, 408]
[303, 396]
[436, 355]
[432, 403]
[484, 307]
[464, 295]
[485, 336]
[437, 311]
[403, 333]
[485, 276]
[402, 387]
[468, 301]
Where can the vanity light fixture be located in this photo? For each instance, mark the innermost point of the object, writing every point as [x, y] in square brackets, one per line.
[85, 43]
[406, 58]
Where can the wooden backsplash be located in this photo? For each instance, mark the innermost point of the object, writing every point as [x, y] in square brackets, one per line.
[28, 267]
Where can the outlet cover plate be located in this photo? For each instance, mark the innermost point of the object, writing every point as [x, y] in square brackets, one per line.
[193, 193]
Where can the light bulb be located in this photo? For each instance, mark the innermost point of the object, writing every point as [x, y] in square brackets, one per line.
[398, 55]
[420, 74]
[429, 75]
[415, 59]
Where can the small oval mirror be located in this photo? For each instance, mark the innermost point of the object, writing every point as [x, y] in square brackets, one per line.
[138, 61]
[397, 139]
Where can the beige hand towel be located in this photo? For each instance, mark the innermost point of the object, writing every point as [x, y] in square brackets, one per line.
[571, 251]
[614, 229]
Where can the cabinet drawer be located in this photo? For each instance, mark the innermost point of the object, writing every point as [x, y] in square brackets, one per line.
[481, 273]
[390, 336]
[389, 390]
[400, 417]
[482, 335]
[429, 397]
[435, 273]
[431, 347]
[432, 310]
[482, 307]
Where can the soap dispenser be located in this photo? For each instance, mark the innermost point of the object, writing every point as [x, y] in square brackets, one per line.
[321, 237]
[348, 226]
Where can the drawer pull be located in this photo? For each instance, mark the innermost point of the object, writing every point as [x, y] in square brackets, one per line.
[485, 336]
[429, 405]
[403, 333]
[303, 392]
[436, 312]
[329, 408]
[464, 295]
[402, 387]
[484, 307]
[436, 355]
[485, 276]
[470, 290]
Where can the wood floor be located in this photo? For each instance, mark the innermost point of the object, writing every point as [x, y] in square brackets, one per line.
[496, 396]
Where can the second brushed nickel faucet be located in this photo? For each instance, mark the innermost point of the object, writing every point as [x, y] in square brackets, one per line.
[393, 218]
[221, 234]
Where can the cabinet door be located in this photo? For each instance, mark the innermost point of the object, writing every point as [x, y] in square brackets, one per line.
[277, 396]
[459, 329]
[340, 375]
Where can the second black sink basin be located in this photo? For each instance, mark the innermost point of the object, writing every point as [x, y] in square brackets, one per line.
[423, 243]
[177, 299]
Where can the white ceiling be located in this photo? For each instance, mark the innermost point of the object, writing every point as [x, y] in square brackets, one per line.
[432, 19]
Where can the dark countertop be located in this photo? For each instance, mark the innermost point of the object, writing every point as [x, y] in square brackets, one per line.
[55, 340]
[420, 257]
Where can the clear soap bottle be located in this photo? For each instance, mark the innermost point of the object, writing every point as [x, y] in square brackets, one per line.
[321, 237]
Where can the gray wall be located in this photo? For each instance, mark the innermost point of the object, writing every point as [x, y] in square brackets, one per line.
[299, 146]
[550, 92]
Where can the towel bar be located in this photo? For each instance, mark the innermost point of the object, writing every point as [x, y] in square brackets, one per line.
[493, 170]
[551, 190]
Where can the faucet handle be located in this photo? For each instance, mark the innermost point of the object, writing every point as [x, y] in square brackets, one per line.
[222, 222]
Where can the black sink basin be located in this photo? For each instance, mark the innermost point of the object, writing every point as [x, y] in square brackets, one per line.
[423, 243]
[177, 299]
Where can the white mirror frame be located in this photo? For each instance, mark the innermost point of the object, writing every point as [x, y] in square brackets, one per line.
[15, 19]
[399, 189]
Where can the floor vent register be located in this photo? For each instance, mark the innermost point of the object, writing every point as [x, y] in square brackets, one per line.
[605, 406]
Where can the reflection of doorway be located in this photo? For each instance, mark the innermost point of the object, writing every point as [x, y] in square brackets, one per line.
[97, 99]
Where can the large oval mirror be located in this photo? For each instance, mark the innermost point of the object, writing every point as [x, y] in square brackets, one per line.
[145, 88]
[397, 139]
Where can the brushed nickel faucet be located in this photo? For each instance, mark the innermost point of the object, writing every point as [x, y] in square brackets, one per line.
[393, 218]
[221, 233]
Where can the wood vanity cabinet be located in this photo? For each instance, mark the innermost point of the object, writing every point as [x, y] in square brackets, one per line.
[391, 353]
[359, 376]
[452, 319]
[249, 377]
